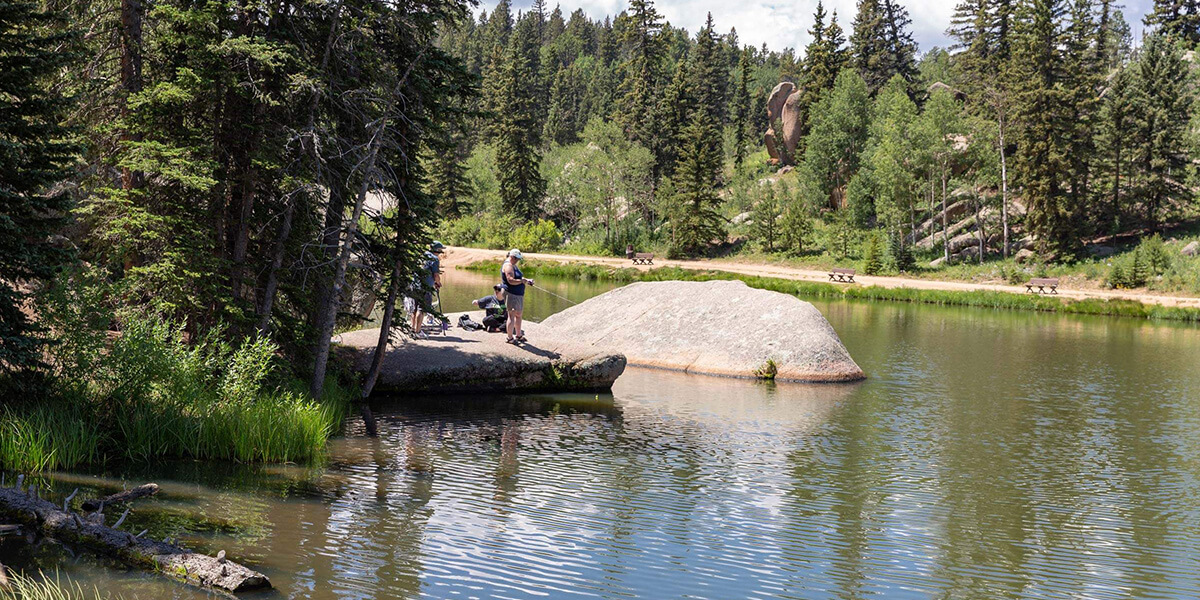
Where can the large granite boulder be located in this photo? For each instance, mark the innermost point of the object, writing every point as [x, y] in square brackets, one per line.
[714, 328]
[465, 361]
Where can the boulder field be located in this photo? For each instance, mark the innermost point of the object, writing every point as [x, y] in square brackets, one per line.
[723, 328]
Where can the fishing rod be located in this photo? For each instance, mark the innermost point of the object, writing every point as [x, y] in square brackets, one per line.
[573, 303]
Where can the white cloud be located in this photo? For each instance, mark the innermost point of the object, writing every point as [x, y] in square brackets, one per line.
[784, 23]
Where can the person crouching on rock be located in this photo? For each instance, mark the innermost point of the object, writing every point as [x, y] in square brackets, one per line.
[421, 289]
[493, 307]
[514, 286]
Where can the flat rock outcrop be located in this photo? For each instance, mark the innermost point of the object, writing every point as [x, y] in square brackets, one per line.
[721, 328]
[465, 361]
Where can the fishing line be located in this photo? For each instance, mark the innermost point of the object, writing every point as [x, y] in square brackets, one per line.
[542, 289]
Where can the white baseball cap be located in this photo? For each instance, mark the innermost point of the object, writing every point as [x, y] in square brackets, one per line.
[515, 252]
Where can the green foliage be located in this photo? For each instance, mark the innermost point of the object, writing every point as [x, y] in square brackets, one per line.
[691, 206]
[872, 254]
[34, 160]
[766, 216]
[1148, 260]
[900, 256]
[151, 395]
[516, 124]
[839, 131]
[541, 236]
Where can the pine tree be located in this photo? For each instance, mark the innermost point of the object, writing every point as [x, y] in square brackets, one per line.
[1176, 19]
[641, 70]
[824, 58]
[34, 159]
[868, 50]
[741, 110]
[1084, 75]
[766, 217]
[1115, 128]
[692, 212]
[901, 48]
[881, 45]
[710, 75]
[495, 33]
[1042, 164]
[674, 113]
[1163, 107]
[518, 130]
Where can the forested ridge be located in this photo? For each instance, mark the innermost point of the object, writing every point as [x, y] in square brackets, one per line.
[195, 196]
[1044, 128]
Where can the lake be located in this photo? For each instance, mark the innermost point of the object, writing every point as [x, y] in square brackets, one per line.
[989, 454]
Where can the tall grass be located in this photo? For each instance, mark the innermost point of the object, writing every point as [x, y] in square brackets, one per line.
[812, 289]
[153, 396]
[23, 587]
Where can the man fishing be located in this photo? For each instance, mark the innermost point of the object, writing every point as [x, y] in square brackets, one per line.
[421, 291]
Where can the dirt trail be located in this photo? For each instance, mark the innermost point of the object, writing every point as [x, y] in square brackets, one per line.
[461, 256]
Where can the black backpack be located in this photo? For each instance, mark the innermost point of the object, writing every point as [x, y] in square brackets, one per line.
[465, 322]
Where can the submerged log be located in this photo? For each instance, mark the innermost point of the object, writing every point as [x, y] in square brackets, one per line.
[140, 491]
[135, 551]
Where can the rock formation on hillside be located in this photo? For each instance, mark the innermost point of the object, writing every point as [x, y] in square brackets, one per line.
[714, 328]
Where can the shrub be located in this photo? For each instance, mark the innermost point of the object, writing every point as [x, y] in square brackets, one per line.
[872, 255]
[541, 236]
[900, 254]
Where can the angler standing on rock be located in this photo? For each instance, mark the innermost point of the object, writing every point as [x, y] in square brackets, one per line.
[421, 294]
[514, 285]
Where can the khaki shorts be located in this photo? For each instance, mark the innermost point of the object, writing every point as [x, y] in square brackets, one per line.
[516, 303]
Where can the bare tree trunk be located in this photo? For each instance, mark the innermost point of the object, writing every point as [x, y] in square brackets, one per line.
[385, 335]
[979, 222]
[268, 301]
[131, 74]
[945, 220]
[328, 317]
[1003, 187]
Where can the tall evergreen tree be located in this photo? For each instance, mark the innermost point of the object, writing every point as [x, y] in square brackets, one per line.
[641, 69]
[740, 116]
[710, 75]
[868, 52]
[518, 128]
[692, 208]
[1161, 115]
[1176, 19]
[1044, 109]
[34, 160]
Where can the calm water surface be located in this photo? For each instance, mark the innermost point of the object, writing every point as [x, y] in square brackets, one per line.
[988, 455]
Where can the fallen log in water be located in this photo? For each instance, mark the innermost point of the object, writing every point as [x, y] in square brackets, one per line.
[133, 550]
[140, 491]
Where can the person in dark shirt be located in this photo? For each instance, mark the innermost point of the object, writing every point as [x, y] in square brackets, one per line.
[493, 307]
[420, 293]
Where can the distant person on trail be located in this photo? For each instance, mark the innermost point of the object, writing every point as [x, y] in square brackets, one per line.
[629, 251]
[514, 286]
[421, 289]
[493, 306]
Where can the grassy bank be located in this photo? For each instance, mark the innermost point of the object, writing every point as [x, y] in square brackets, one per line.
[148, 395]
[812, 289]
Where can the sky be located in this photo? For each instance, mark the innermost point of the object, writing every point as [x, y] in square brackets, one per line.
[785, 23]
